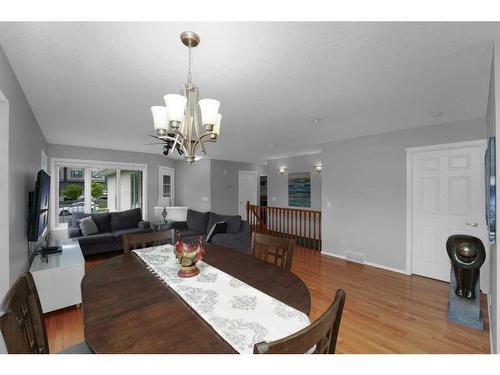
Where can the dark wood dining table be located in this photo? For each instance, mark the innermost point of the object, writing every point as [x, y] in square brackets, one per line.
[127, 309]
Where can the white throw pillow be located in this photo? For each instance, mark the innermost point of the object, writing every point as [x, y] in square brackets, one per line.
[217, 228]
[87, 226]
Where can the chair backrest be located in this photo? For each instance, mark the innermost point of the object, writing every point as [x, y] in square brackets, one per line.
[21, 319]
[322, 333]
[142, 240]
[276, 250]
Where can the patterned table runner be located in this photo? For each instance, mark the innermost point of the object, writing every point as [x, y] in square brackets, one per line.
[239, 313]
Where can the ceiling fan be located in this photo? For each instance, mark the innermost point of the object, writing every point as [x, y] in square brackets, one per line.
[169, 145]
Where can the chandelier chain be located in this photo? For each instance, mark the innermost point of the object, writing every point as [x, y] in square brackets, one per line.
[189, 67]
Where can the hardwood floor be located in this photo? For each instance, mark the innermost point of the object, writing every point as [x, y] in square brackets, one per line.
[385, 312]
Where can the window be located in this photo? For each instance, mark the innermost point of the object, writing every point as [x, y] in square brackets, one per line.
[130, 189]
[167, 191]
[71, 194]
[103, 190]
[166, 179]
[95, 187]
[76, 173]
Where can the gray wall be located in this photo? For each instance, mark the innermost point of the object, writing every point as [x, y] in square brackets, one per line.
[152, 161]
[492, 126]
[4, 195]
[24, 163]
[277, 184]
[224, 184]
[364, 179]
[192, 184]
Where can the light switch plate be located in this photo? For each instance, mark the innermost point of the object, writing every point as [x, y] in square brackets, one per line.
[204, 199]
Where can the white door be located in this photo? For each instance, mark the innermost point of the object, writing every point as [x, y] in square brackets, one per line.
[166, 183]
[447, 198]
[247, 190]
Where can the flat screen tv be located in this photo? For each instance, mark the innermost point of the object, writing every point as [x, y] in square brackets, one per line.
[39, 207]
[490, 181]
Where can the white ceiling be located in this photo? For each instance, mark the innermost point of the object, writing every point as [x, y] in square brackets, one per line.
[91, 84]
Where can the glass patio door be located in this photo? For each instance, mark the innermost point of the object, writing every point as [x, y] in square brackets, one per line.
[95, 189]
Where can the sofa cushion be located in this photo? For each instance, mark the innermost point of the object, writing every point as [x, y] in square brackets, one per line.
[102, 222]
[125, 219]
[75, 216]
[190, 233]
[119, 233]
[217, 228]
[96, 239]
[194, 238]
[197, 221]
[240, 241]
[233, 222]
[87, 226]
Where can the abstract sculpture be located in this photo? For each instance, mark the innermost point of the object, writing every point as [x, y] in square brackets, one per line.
[188, 256]
[467, 255]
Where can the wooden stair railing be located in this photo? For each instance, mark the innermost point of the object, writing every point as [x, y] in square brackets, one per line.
[302, 225]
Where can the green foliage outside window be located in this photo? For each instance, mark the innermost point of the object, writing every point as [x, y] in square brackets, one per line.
[72, 191]
[96, 189]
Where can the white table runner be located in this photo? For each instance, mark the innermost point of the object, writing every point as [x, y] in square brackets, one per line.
[239, 313]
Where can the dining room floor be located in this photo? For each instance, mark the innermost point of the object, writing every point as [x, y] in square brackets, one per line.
[385, 312]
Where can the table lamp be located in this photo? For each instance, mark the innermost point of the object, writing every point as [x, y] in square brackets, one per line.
[164, 202]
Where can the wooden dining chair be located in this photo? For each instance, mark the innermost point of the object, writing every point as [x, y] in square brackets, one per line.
[142, 240]
[21, 321]
[322, 333]
[276, 250]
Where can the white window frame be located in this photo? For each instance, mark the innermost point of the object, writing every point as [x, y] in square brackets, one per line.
[162, 171]
[88, 165]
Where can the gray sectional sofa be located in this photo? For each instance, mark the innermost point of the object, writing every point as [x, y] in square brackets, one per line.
[198, 224]
[111, 226]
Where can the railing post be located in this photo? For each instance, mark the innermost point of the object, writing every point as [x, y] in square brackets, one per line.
[248, 216]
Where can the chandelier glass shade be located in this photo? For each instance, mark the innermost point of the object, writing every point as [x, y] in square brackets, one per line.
[186, 123]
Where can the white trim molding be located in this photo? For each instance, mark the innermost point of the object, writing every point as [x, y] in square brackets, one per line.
[376, 265]
[488, 299]
[55, 163]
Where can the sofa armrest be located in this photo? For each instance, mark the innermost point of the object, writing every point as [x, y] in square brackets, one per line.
[178, 225]
[74, 232]
[143, 224]
[244, 228]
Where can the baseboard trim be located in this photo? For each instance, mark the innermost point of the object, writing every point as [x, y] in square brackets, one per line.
[376, 265]
[488, 299]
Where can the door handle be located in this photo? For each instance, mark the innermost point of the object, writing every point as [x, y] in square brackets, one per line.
[471, 224]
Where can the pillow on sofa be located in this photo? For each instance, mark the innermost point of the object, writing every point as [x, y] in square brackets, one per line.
[219, 227]
[233, 222]
[102, 222]
[75, 218]
[197, 221]
[87, 226]
[125, 219]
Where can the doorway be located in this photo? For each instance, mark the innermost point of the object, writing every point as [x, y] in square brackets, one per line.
[247, 191]
[166, 183]
[445, 196]
[263, 191]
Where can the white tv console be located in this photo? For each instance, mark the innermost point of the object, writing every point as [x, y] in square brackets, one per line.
[58, 280]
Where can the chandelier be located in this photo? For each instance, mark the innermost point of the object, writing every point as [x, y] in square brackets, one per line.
[179, 124]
